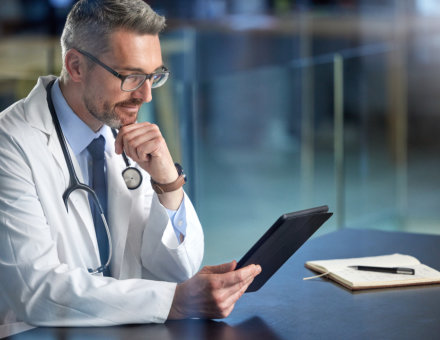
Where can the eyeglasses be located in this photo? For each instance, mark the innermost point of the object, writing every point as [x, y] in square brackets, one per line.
[133, 81]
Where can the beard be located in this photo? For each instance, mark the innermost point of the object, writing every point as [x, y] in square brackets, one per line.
[106, 112]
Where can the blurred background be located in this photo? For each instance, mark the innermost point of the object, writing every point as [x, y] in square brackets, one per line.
[280, 105]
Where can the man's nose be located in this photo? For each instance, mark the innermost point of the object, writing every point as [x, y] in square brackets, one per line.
[144, 92]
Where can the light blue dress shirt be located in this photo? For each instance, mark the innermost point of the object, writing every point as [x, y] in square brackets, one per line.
[79, 136]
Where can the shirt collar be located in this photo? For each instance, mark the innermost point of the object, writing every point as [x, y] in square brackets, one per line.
[78, 134]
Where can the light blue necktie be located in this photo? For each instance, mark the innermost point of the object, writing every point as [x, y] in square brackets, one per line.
[98, 184]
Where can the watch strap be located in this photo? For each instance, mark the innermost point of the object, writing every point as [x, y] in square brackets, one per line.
[168, 187]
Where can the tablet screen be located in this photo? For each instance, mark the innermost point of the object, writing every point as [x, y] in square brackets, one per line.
[281, 241]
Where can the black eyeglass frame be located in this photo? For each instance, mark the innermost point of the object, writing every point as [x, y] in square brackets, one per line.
[165, 72]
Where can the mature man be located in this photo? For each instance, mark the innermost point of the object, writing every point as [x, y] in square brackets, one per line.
[59, 263]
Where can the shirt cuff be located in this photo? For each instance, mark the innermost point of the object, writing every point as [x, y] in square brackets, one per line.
[178, 219]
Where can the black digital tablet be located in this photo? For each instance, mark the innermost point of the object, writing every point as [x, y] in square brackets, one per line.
[281, 241]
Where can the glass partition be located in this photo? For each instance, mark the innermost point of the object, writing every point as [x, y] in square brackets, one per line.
[273, 139]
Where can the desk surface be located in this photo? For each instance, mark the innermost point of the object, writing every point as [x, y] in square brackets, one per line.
[289, 308]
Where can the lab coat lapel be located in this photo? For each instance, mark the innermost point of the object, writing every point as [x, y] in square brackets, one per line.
[38, 115]
[119, 207]
[78, 202]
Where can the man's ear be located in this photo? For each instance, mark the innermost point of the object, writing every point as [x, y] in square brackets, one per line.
[75, 65]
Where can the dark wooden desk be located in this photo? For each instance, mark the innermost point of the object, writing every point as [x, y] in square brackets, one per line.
[289, 308]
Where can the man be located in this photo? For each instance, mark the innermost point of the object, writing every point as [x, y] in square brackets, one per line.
[48, 247]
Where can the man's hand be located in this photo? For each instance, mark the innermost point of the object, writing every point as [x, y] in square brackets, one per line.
[212, 292]
[144, 144]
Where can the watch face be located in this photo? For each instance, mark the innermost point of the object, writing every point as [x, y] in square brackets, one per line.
[180, 171]
[132, 178]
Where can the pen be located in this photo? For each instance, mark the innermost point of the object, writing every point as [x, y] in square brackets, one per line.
[393, 270]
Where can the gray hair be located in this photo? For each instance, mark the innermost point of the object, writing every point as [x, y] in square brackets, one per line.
[90, 22]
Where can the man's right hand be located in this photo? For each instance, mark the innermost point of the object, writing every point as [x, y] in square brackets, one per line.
[212, 292]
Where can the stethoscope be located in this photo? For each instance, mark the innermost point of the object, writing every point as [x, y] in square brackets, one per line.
[132, 177]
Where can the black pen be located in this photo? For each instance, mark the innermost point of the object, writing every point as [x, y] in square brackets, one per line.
[392, 270]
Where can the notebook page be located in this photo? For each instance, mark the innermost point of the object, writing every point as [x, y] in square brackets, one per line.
[394, 260]
[360, 277]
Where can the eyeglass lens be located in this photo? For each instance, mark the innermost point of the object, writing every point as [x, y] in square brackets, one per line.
[134, 81]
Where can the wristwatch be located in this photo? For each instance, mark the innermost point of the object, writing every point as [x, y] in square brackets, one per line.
[168, 187]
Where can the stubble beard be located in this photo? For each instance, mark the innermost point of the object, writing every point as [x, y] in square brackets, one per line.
[106, 115]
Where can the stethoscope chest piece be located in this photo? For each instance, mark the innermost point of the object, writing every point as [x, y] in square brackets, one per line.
[132, 177]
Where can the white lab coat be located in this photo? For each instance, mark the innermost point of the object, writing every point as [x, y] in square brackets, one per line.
[45, 250]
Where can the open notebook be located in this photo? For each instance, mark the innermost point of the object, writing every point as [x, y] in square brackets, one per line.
[353, 279]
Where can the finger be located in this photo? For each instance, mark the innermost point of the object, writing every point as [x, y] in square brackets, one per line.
[126, 130]
[236, 292]
[119, 140]
[219, 269]
[139, 131]
[136, 131]
[235, 279]
[246, 281]
[242, 274]
[118, 144]
[140, 142]
[141, 149]
[151, 143]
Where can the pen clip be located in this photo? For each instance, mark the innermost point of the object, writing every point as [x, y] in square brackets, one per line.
[402, 270]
